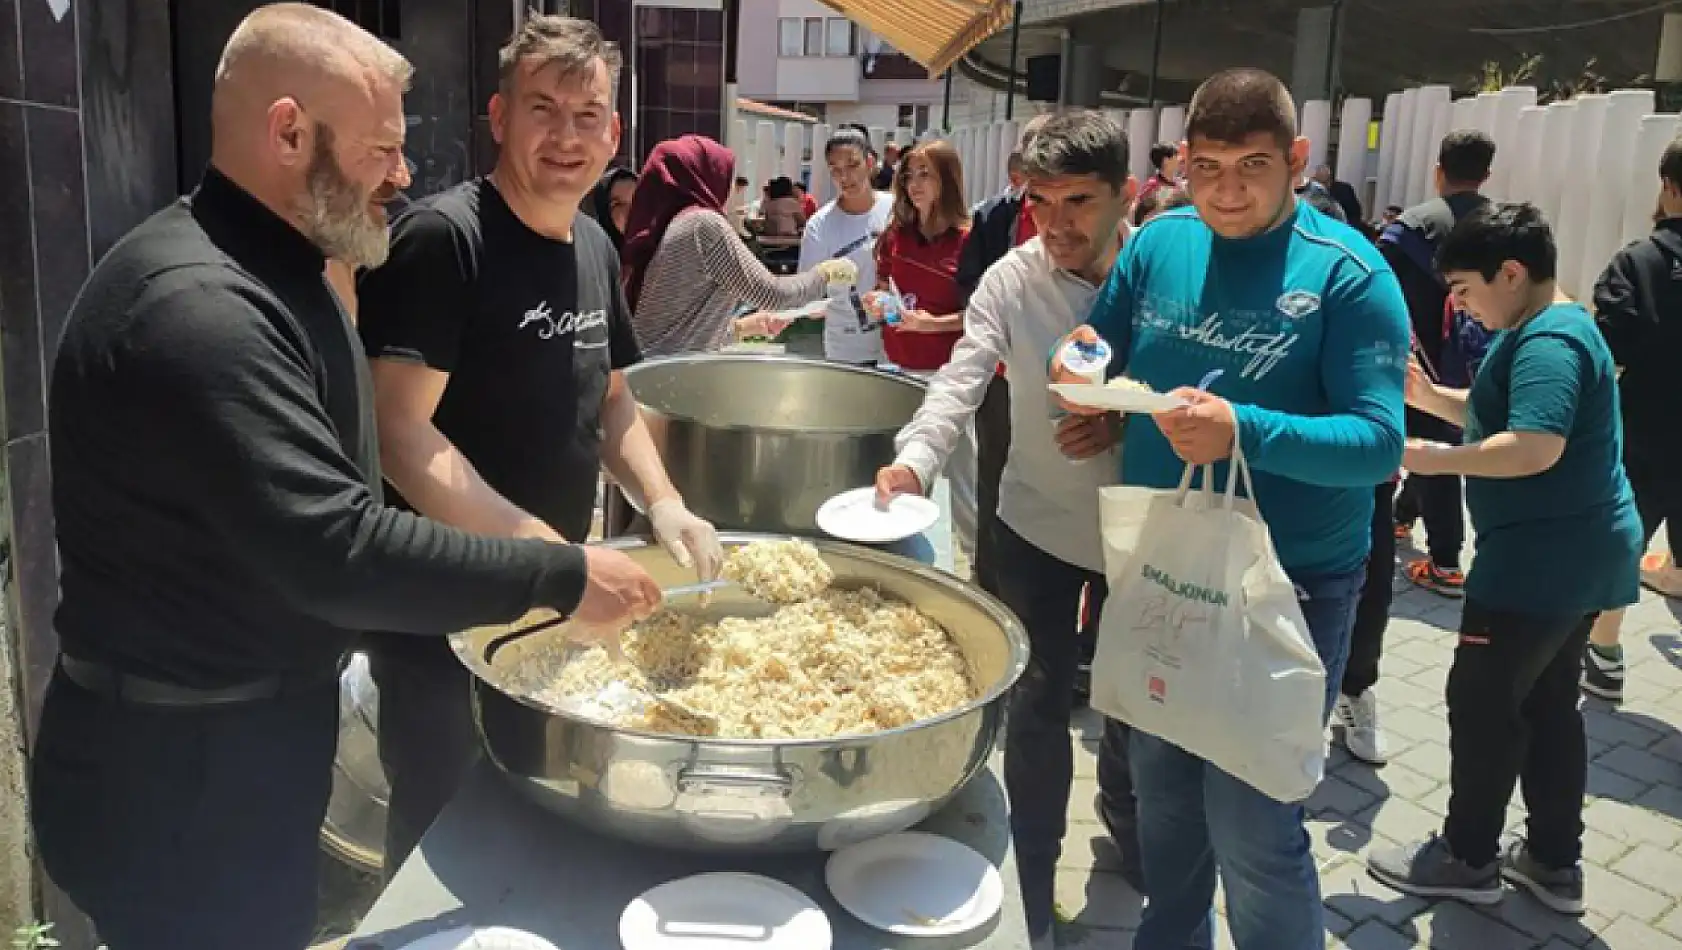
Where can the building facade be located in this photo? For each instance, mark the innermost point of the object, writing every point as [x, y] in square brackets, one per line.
[803, 55]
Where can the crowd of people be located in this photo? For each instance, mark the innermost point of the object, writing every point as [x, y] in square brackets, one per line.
[281, 422]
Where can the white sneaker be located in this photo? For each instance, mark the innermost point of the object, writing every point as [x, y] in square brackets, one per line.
[1358, 719]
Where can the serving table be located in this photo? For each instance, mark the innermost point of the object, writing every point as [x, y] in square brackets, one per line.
[496, 859]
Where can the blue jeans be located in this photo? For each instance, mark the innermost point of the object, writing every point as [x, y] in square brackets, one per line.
[1195, 819]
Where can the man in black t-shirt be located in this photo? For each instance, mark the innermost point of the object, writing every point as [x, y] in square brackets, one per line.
[497, 331]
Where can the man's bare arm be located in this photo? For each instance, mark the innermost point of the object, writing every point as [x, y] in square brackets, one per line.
[628, 451]
[427, 468]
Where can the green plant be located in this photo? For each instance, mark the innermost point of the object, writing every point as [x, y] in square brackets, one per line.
[34, 937]
[1493, 77]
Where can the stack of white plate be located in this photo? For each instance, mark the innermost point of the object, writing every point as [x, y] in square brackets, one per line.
[912, 883]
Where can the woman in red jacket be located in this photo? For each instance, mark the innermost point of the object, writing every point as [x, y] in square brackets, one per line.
[917, 256]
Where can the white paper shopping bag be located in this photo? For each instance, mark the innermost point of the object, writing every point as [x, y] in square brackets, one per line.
[1202, 642]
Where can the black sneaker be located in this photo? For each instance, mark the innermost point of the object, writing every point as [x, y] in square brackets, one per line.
[1428, 869]
[1603, 678]
[1560, 889]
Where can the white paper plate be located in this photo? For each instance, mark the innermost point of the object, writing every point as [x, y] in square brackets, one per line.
[916, 884]
[854, 516]
[480, 938]
[1115, 399]
[724, 911]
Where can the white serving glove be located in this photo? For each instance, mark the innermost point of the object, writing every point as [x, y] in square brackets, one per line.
[690, 541]
[838, 270]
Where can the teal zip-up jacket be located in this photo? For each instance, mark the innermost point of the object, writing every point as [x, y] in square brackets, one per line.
[1309, 325]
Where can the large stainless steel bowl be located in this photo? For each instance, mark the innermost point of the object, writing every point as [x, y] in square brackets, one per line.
[354, 829]
[751, 795]
[758, 442]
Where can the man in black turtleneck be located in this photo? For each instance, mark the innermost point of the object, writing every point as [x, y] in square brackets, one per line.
[220, 520]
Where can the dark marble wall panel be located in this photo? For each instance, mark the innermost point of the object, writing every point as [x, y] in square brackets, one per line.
[679, 66]
[614, 18]
[484, 146]
[493, 25]
[439, 105]
[128, 114]
[49, 55]
[61, 220]
[20, 326]
[34, 562]
[200, 29]
[11, 67]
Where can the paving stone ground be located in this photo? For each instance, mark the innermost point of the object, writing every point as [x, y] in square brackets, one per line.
[1633, 846]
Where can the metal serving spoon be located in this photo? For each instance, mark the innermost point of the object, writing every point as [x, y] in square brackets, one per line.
[667, 595]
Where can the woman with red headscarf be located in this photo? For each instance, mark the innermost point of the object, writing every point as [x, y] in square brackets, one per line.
[685, 269]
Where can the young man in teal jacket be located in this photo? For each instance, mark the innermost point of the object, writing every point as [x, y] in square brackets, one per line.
[1309, 329]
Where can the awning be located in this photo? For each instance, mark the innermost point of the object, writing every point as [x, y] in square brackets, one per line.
[935, 33]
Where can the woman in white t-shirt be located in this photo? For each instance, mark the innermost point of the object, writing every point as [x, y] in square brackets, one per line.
[848, 227]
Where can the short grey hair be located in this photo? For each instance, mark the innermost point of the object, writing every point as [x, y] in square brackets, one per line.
[1080, 142]
[568, 43]
[1031, 128]
[306, 35]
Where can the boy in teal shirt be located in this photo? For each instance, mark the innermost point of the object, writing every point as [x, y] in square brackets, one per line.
[1308, 327]
[1558, 541]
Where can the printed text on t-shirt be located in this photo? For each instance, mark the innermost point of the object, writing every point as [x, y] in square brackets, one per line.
[550, 326]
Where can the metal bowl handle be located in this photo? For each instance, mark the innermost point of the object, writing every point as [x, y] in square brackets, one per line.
[702, 778]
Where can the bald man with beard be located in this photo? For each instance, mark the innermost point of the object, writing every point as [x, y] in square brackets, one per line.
[220, 518]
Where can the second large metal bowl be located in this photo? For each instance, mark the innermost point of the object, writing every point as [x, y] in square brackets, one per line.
[743, 794]
[758, 442]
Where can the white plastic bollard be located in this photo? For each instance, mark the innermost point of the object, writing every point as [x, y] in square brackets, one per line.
[1483, 112]
[765, 163]
[1610, 183]
[1141, 129]
[1642, 195]
[1171, 127]
[1007, 144]
[993, 159]
[1523, 184]
[1352, 144]
[740, 141]
[794, 150]
[1464, 114]
[1442, 119]
[1508, 104]
[1558, 126]
[1571, 234]
[1388, 132]
[821, 187]
[1431, 115]
[1401, 170]
[1317, 128]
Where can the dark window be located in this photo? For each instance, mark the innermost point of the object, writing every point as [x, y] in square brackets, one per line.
[379, 17]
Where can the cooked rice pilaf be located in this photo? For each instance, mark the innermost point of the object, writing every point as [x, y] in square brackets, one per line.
[781, 572]
[1128, 382]
[842, 662]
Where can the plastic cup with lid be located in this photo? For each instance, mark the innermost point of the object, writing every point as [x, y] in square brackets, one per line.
[1089, 361]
